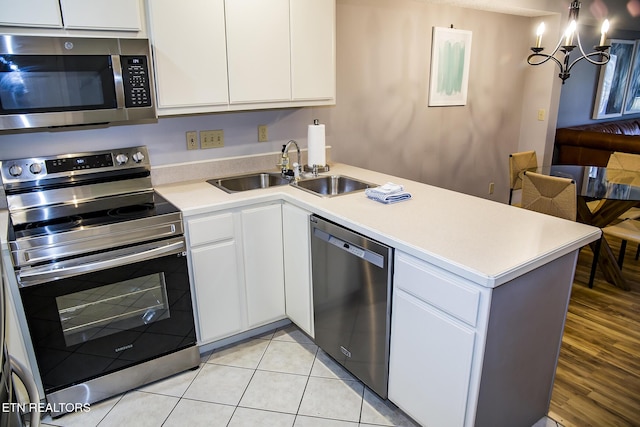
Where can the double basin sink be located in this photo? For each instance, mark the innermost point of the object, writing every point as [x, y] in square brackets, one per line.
[324, 186]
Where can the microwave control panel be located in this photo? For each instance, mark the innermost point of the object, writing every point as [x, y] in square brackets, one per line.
[135, 78]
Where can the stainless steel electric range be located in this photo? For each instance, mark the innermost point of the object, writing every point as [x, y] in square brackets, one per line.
[100, 261]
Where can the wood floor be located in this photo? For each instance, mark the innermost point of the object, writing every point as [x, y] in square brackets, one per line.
[598, 377]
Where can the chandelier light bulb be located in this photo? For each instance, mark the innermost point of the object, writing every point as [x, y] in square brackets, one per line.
[603, 32]
[568, 41]
[539, 33]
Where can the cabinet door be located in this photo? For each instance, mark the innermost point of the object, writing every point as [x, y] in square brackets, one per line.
[190, 55]
[313, 66]
[218, 290]
[123, 15]
[263, 264]
[258, 50]
[297, 267]
[430, 362]
[31, 13]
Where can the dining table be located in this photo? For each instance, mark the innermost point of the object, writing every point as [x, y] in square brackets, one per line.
[616, 190]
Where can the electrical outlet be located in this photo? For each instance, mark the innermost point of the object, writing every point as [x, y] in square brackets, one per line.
[541, 114]
[212, 138]
[491, 185]
[263, 136]
[192, 140]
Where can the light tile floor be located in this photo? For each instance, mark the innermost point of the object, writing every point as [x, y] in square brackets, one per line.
[277, 379]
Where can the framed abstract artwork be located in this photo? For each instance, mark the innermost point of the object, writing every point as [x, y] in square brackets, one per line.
[450, 57]
[632, 100]
[612, 82]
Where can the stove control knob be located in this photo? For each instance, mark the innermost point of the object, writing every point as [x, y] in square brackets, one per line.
[35, 168]
[138, 157]
[15, 170]
[122, 159]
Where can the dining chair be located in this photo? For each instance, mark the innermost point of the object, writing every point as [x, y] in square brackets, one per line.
[625, 161]
[628, 231]
[519, 162]
[551, 195]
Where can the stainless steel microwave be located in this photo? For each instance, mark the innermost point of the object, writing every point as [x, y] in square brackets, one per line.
[66, 81]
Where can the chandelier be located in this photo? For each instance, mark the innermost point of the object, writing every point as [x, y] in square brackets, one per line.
[566, 45]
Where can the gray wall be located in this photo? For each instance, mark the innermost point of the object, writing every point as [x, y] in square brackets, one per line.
[381, 120]
[579, 91]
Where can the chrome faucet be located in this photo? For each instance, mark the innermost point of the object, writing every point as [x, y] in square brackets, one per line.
[284, 161]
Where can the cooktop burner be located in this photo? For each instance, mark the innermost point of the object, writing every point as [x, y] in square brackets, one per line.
[158, 206]
[130, 211]
[55, 224]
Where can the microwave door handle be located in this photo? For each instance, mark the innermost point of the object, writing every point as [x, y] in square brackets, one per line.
[117, 79]
[35, 277]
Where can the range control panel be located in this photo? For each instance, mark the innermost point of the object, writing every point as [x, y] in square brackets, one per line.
[66, 165]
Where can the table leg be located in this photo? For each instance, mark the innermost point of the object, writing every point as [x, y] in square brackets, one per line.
[608, 265]
[609, 211]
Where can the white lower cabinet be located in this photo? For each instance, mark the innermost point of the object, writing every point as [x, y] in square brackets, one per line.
[263, 264]
[430, 363]
[297, 267]
[432, 343]
[218, 290]
[217, 275]
[237, 270]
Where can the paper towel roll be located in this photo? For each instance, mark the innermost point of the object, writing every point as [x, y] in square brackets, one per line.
[316, 145]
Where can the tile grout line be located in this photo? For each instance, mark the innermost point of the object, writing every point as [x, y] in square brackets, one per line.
[235, 409]
[315, 357]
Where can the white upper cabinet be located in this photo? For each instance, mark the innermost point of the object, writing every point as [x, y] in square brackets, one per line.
[313, 49]
[121, 15]
[190, 54]
[31, 13]
[111, 15]
[232, 55]
[258, 50]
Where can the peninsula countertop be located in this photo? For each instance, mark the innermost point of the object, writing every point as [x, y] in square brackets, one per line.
[486, 242]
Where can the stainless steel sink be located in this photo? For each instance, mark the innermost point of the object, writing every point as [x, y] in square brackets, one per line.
[234, 184]
[332, 185]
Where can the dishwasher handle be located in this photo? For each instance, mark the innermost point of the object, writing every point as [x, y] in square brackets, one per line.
[355, 250]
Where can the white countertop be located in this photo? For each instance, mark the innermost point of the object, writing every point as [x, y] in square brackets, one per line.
[484, 241]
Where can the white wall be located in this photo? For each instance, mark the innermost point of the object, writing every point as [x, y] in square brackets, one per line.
[166, 139]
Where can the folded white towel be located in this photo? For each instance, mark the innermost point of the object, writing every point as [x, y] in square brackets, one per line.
[387, 193]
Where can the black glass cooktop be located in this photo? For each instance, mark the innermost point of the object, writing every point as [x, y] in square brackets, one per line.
[156, 205]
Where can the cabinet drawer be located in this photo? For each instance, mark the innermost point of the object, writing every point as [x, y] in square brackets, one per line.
[436, 288]
[210, 229]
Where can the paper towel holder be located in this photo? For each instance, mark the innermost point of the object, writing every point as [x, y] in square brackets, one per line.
[316, 169]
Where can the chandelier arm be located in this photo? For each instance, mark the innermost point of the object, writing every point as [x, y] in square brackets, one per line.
[547, 58]
[580, 44]
[603, 62]
[557, 48]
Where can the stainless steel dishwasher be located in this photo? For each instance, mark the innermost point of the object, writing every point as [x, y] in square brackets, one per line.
[352, 300]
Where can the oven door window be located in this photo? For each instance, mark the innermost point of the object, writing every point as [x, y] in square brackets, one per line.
[50, 83]
[109, 309]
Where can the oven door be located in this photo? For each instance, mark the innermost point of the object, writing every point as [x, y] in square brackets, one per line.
[104, 312]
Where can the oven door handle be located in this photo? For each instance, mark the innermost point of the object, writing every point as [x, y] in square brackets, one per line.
[47, 273]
